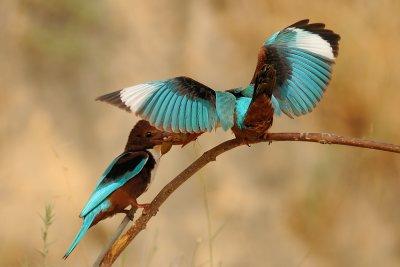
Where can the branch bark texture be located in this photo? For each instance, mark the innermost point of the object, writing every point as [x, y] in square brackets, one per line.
[140, 224]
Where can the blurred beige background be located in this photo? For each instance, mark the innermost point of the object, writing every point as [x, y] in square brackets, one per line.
[281, 205]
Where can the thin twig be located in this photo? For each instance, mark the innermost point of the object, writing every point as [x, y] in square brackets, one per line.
[329, 138]
[140, 224]
[117, 233]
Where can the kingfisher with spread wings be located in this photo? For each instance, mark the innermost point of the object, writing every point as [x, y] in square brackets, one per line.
[293, 71]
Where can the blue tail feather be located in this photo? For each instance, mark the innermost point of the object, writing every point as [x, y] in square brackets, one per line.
[87, 222]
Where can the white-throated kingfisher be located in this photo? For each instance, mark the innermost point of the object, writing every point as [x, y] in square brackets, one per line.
[127, 177]
[293, 70]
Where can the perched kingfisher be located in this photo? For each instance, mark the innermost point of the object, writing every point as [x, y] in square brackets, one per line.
[127, 177]
[293, 70]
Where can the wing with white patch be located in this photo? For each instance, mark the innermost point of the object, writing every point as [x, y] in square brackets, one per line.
[179, 105]
[302, 55]
[123, 168]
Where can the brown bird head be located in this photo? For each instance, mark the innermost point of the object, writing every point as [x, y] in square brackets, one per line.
[145, 136]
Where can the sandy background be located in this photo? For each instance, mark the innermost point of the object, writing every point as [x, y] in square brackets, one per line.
[279, 205]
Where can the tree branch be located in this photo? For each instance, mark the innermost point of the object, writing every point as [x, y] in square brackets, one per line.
[117, 233]
[329, 138]
[140, 224]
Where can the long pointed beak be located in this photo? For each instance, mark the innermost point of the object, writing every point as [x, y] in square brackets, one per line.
[165, 134]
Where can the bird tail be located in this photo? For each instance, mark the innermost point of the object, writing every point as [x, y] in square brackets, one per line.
[87, 222]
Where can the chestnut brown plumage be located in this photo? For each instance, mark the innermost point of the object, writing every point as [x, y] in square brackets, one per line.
[128, 176]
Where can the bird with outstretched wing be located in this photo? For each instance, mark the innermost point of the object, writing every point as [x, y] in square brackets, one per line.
[293, 71]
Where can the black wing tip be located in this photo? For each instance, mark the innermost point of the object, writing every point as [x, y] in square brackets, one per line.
[194, 89]
[319, 28]
[299, 23]
[114, 99]
[109, 96]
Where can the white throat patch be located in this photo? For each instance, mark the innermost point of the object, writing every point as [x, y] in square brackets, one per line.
[156, 152]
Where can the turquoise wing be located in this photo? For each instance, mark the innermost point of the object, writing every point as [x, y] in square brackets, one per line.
[123, 168]
[303, 55]
[242, 105]
[180, 105]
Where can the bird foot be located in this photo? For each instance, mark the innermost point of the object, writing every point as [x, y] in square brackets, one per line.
[143, 206]
[243, 140]
[265, 137]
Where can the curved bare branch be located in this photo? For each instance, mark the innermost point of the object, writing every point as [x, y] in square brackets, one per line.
[140, 224]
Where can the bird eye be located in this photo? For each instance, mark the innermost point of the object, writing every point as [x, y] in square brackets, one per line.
[148, 134]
